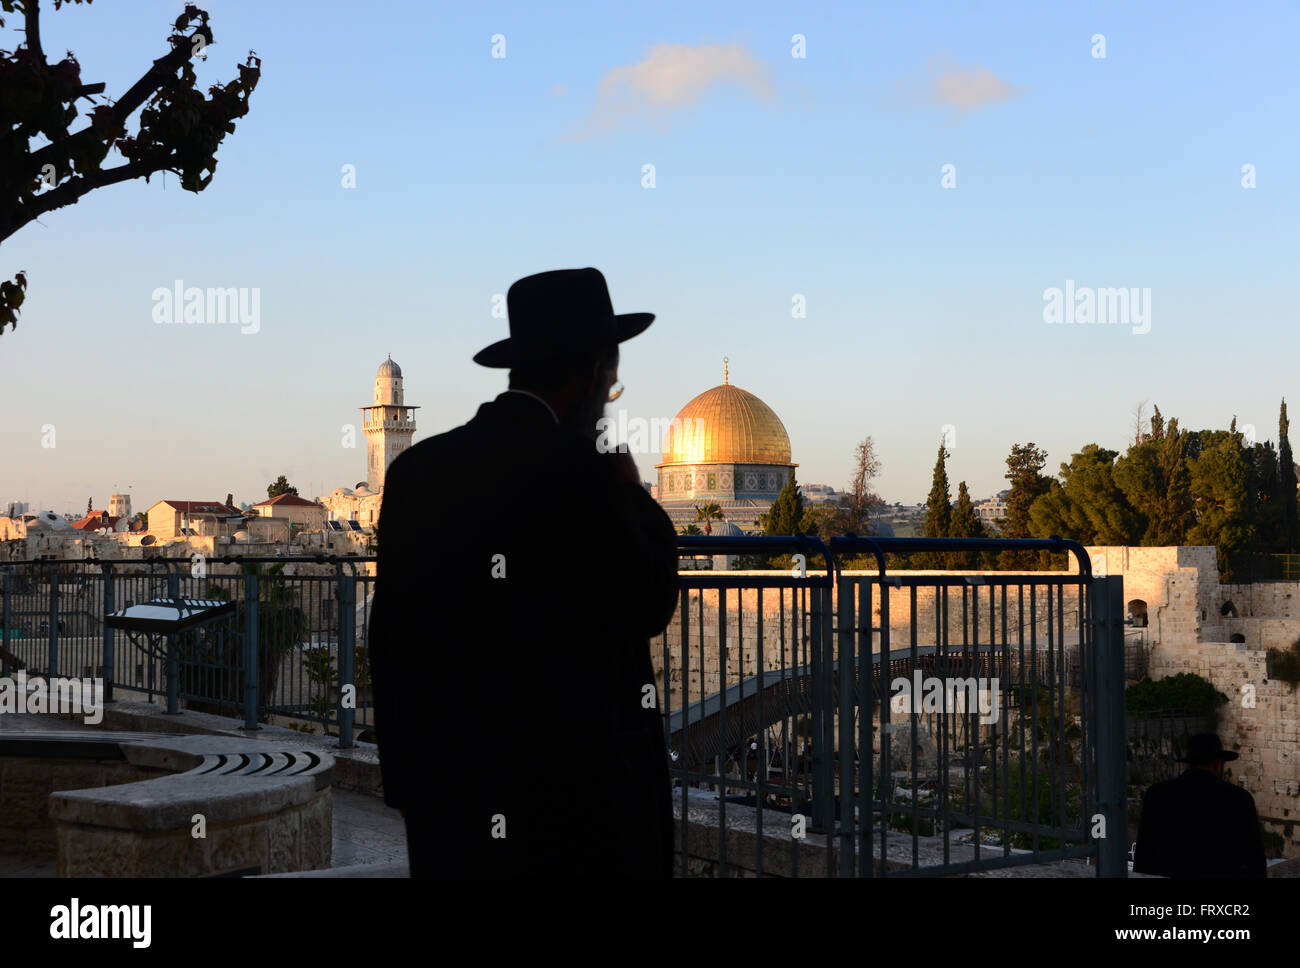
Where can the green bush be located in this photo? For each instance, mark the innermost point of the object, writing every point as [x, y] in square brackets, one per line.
[1284, 664]
[1186, 691]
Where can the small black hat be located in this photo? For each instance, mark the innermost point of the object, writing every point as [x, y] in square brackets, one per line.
[560, 312]
[1206, 748]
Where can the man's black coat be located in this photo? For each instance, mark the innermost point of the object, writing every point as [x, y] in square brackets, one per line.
[522, 704]
[1197, 825]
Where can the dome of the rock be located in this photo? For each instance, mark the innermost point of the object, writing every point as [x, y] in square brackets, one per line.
[725, 447]
[726, 425]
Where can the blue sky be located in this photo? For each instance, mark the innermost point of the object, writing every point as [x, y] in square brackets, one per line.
[775, 176]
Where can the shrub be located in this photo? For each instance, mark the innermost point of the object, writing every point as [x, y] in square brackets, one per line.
[1284, 664]
[1186, 691]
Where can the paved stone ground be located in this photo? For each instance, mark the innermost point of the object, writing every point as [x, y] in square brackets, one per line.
[365, 830]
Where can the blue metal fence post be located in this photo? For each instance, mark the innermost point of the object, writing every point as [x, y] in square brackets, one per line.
[1106, 605]
[173, 658]
[816, 727]
[53, 669]
[109, 667]
[844, 589]
[347, 657]
[250, 650]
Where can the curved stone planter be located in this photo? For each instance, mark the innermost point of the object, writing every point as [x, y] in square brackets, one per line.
[128, 805]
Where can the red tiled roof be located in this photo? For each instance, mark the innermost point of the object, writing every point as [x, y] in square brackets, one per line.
[285, 500]
[95, 520]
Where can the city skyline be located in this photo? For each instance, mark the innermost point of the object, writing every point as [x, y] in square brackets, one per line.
[780, 181]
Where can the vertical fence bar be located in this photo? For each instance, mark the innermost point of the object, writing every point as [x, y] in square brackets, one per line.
[250, 649]
[684, 762]
[347, 597]
[846, 665]
[821, 808]
[1106, 597]
[109, 670]
[173, 652]
[761, 793]
[866, 709]
[823, 626]
[4, 623]
[53, 668]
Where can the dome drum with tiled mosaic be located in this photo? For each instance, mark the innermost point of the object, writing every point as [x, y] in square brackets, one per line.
[725, 447]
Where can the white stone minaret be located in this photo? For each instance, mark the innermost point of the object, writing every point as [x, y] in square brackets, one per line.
[389, 424]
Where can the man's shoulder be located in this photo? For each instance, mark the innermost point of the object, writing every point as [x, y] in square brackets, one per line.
[1239, 795]
[505, 433]
[1160, 791]
[430, 452]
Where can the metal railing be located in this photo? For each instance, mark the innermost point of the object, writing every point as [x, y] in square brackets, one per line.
[794, 749]
[795, 745]
[296, 640]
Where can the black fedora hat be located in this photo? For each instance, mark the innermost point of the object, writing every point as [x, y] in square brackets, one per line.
[560, 312]
[1205, 748]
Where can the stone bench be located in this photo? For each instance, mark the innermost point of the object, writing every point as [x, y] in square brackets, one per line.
[129, 805]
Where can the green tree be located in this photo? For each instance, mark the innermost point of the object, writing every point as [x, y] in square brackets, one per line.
[938, 506]
[786, 513]
[938, 513]
[179, 129]
[1265, 495]
[965, 524]
[1156, 479]
[708, 513]
[1087, 505]
[785, 517]
[281, 486]
[691, 529]
[1288, 516]
[1024, 471]
[1222, 490]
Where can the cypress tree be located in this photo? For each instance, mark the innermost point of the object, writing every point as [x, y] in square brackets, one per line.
[965, 524]
[1289, 521]
[938, 513]
[786, 512]
[938, 506]
[784, 518]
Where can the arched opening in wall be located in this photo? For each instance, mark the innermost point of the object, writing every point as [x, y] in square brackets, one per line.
[1228, 610]
[1237, 637]
[1137, 611]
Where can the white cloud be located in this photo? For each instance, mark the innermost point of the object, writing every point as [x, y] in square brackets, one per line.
[672, 77]
[960, 89]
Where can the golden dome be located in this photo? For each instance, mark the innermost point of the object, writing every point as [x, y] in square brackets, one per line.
[726, 425]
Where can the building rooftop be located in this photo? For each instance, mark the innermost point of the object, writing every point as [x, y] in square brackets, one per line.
[289, 500]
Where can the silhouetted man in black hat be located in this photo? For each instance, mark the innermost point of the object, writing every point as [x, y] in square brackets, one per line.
[521, 573]
[1198, 825]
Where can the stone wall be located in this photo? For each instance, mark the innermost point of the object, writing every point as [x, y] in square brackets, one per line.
[26, 783]
[1265, 734]
[126, 805]
[295, 838]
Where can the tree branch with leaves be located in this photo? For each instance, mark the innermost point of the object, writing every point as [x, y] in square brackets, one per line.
[179, 127]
